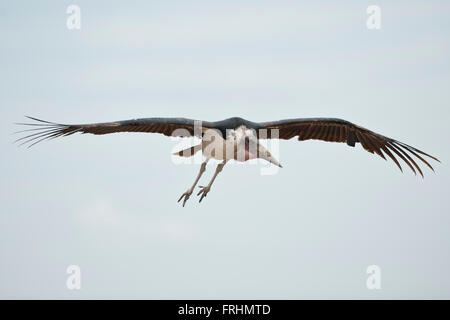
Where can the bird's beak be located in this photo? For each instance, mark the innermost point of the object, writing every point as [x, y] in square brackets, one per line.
[263, 153]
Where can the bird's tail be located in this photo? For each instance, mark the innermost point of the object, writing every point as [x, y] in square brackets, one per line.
[189, 151]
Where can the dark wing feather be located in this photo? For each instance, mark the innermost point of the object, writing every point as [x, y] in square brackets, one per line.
[338, 130]
[43, 130]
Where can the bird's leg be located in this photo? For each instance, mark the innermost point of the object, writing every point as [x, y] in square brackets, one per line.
[205, 189]
[188, 193]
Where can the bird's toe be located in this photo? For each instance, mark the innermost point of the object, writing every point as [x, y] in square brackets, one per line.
[186, 196]
[203, 192]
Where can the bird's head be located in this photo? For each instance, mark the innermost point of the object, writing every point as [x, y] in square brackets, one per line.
[249, 147]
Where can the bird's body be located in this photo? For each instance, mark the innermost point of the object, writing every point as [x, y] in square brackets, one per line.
[239, 139]
[240, 144]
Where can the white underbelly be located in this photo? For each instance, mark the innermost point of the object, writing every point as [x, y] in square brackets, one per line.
[218, 149]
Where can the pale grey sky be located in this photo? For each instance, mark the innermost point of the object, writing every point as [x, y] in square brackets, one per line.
[108, 203]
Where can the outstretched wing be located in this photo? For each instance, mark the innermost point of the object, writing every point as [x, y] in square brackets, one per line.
[179, 127]
[338, 130]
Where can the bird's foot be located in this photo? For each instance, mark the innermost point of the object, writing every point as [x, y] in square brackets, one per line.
[204, 191]
[186, 196]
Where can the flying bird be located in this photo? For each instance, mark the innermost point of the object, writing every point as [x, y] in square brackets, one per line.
[238, 139]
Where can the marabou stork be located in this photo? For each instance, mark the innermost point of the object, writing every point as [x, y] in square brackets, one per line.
[238, 139]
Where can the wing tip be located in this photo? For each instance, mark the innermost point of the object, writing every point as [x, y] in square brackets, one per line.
[43, 131]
